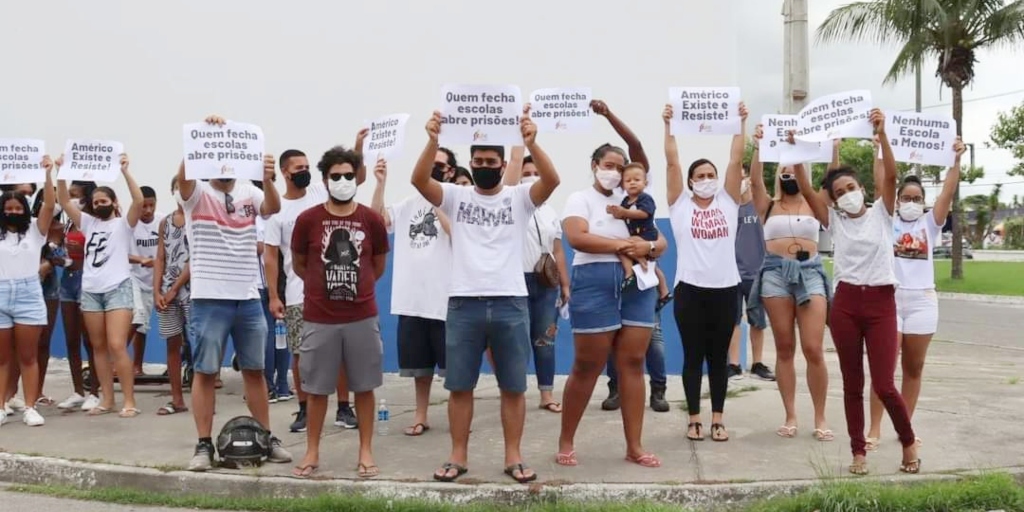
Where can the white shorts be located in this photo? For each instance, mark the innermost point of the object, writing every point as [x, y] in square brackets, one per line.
[142, 310]
[917, 311]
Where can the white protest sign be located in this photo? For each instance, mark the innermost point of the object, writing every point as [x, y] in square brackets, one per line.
[705, 110]
[480, 114]
[919, 138]
[837, 116]
[20, 159]
[91, 160]
[234, 150]
[386, 138]
[561, 109]
[776, 141]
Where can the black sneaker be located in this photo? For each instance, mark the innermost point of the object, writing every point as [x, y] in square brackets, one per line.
[611, 403]
[202, 459]
[345, 418]
[299, 425]
[272, 396]
[762, 372]
[735, 372]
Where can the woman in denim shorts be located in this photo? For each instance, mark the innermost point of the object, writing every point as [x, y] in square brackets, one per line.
[604, 317]
[107, 300]
[793, 288]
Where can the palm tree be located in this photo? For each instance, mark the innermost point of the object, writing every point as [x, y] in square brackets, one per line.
[951, 31]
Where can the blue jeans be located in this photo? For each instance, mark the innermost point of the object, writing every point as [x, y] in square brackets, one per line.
[475, 323]
[276, 360]
[655, 360]
[599, 304]
[213, 320]
[543, 330]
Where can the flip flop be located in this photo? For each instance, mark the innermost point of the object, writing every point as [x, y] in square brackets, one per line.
[413, 432]
[859, 468]
[913, 467]
[305, 471]
[99, 410]
[871, 444]
[365, 471]
[824, 435]
[699, 428]
[555, 407]
[566, 459]
[647, 460]
[786, 431]
[717, 429]
[522, 478]
[45, 401]
[170, 409]
[129, 412]
[447, 467]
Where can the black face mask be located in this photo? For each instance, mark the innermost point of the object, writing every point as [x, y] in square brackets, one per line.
[301, 179]
[437, 173]
[104, 212]
[19, 221]
[486, 177]
[790, 187]
[225, 181]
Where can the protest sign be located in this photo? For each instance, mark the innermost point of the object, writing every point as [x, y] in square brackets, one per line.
[561, 109]
[386, 138]
[20, 159]
[705, 110]
[233, 151]
[776, 141]
[481, 114]
[919, 138]
[837, 116]
[91, 160]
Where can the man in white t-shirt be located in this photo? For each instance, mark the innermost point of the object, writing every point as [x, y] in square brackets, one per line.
[487, 304]
[419, 287]
[145, 237]
[221, 220]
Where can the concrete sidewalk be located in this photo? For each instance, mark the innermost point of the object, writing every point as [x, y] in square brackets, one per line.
[969, 418]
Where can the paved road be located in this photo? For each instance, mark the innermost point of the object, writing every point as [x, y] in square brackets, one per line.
[22, 501]
[998, 325]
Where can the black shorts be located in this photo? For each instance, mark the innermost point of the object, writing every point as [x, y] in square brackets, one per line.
[421, 346]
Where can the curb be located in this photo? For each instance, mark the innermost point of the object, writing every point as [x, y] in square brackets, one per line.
[29, 470]
[990, 299]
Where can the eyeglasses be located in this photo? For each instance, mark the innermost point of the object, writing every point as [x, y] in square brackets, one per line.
[908, 199]
[229, 203]
[348, 176]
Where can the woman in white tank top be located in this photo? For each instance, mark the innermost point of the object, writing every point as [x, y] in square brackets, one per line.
[793, 288]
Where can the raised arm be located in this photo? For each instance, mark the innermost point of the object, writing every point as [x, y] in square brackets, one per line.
[514, 170]
[814, 199]
[380, 172]
[64, 198]
[758, 190]
[45, 217]
[430, 189]
[877, 169]
[636, 150]
[885, 189]
[673, 171]
[734, 172]
[271, 199]
[361, 171]
[135, 210]
[549, 180]
[944, 201]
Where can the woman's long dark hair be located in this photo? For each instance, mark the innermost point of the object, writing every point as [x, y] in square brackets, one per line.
[21, 228]
[109, 192]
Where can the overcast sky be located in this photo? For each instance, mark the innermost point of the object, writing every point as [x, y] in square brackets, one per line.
[310, 73]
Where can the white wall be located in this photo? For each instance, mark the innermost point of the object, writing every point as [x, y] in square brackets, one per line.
[310, 73]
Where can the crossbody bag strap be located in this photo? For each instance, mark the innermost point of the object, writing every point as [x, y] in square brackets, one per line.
[540, 239]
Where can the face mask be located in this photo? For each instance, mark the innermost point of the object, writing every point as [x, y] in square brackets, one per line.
[852, 202]
[911, 211]
[608, 178]
[744, 187]
[81, 203]
[790, 187]
[486, 177]
[342, 190]
[19, 221]
[225, 181]
[104, 212]
[177, 197]
[301, 179]
[437, 173]
[529, 180]
[706, 189]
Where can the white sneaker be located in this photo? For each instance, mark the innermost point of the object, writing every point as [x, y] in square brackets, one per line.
[16, 404]
[32, 418]
[75, 400]
[7, 410]
[91, 402]
[3, 416]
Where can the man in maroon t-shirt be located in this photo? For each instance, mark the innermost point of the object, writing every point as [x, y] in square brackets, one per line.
[340, 250]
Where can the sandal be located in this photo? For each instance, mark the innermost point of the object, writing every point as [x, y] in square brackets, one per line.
[629, 281]
[566, 459]
[913, 467]
[129, 412]
[662, 302]
[305, 471]
[521, 468]
[647, 460]
[417, 430]
[170, 409]
[824, 435]
[446, 468]
[786, 431]
[871, 444]
[718, 431]
[555, 407]
[859, 468]
[365, 471]
[99, 410]
[700, 431]
[45, 401]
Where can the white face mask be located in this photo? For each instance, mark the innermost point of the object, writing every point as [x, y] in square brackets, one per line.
[177, 197]
[705, 189]
[608, 178]
[529, 180]
[851, 202]
[343, 190]
[745, 187]
[911, 211]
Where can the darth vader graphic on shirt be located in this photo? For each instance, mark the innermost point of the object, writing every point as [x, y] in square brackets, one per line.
[342, 246]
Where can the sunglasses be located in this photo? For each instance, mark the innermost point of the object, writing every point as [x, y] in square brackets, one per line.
[348, 176]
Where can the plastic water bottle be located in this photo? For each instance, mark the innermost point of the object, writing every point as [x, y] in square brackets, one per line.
[280, 335]
[383, 417]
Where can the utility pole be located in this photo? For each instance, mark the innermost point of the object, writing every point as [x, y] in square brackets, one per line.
[796, 66]
[917, 74]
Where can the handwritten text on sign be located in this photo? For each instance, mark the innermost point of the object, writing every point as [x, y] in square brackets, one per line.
[775, 141]
[837, 116]
[705, 110]
[233, 151]
[91, 160]
[481, 114]
[19, 161]
[561, 109]
[919, 138]
[386, 138]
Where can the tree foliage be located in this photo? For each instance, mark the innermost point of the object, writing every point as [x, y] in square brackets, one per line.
[1008, 134]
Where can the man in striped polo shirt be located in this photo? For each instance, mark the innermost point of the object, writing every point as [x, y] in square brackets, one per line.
[220, 216]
